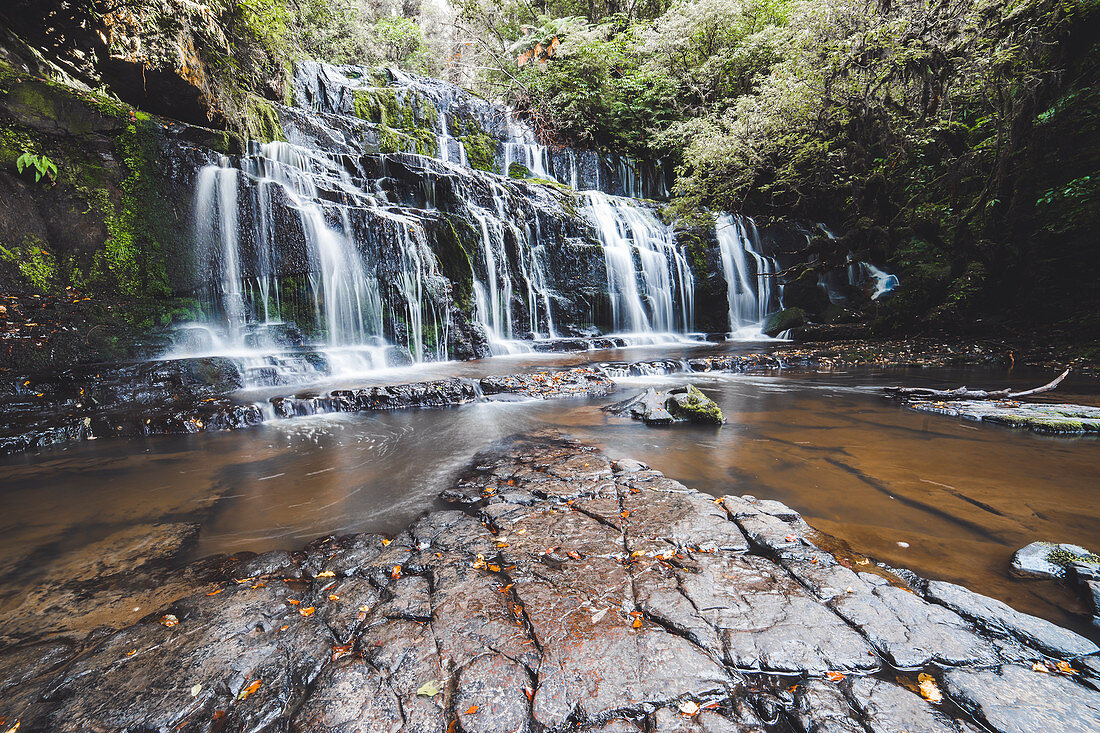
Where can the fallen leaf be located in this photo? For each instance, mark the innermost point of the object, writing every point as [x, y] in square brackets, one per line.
[131, 653]
[637, 623]
[249, 690]
[494, 568]
[196, 690]
[243, 580]
[928, 689]
[293, 601]
[396, 572]
[14, 727]
[429, 689]
[308, 611]
[341, 650]
[325, 574]
[1064, 668]
[333, 597]
[169, 620]
[1040, 667]
[835, 676]
[385, 543]
[471, 710]
[215, 592]
[688, 707]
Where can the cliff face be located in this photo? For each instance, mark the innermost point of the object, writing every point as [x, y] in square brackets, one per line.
[204, 62]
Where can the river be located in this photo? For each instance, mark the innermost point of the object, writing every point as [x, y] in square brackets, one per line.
[946, 498]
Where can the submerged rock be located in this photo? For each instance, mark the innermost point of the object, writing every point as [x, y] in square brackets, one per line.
[1037, 417]
[570, 594]
[680, 404]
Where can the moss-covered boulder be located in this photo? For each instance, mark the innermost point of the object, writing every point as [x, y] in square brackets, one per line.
[784, 320]
[688, 403]
[680, 404]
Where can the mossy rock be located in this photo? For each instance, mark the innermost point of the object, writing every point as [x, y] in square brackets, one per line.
[784, 320]
[518, 170]
[688, 403]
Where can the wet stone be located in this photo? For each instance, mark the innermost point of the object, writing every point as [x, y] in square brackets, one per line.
[1018, 699]
[1001, 620]
[569, 594]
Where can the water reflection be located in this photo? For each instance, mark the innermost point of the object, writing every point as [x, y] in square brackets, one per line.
[963, 496]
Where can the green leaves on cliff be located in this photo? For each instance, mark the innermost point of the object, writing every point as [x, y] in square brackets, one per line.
[43, 166]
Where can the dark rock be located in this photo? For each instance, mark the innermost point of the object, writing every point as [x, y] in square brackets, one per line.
[783, 320]
[1020, 700]
[1000, 620]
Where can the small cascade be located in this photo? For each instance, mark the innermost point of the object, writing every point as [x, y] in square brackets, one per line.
[871, 280]
[522, 147]
[281, 201]
[649, 282]
[749, 275]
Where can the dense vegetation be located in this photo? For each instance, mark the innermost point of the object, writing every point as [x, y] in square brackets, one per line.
[959, 142]
[956, 142]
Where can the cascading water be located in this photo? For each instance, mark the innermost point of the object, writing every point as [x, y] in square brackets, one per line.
[344, 308]
[649, 282]
[749, 275]
[521, 147]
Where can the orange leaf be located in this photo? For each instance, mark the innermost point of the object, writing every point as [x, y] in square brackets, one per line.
[637, 623]
[835, 676]
[341, 650]
[396, 572]
[249, 690]
[216, 592]
[293, 601]
[307, 611]
[472, 710]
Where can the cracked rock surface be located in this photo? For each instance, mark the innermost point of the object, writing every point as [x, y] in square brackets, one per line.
[565, 593]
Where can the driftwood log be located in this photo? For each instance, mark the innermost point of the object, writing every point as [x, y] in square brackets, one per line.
[964, 393]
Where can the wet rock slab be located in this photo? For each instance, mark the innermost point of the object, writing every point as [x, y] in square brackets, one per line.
[565, 593]
[1037, 417]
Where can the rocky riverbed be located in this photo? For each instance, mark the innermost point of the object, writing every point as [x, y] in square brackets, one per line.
[565, 592]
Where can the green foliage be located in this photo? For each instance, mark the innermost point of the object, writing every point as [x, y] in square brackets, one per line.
[131, 260]
[35, 262]
[43, 166]
[401, 43]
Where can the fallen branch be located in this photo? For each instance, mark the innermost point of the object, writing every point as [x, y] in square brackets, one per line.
[963, 393]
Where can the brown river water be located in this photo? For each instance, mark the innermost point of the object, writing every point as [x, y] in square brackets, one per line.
[963, 496]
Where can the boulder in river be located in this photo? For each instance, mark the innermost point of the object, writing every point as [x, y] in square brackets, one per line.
[679, 404]
[1052, 560]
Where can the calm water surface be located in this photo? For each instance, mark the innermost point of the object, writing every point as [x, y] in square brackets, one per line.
[963, 496]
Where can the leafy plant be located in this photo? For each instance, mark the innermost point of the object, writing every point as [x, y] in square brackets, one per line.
[43, 166]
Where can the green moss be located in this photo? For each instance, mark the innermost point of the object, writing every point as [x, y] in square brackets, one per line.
[35, 263]
[518, 170]
[481, 152]
[691, 404]
[454, 241]
[404, 124]
[131, 258]
[261, 121]
[1063, 557]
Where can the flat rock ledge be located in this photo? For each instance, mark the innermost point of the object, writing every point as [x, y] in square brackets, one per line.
[1035, 416]
[567, 593]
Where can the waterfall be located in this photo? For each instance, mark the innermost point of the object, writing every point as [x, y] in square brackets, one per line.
[749, 275]
[521, 147]
[297, 192]
[873, 281]
[649, 282]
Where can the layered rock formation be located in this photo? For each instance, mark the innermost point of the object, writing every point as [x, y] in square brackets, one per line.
[567, 593]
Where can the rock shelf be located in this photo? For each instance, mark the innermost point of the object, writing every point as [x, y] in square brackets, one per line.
[567, 592]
